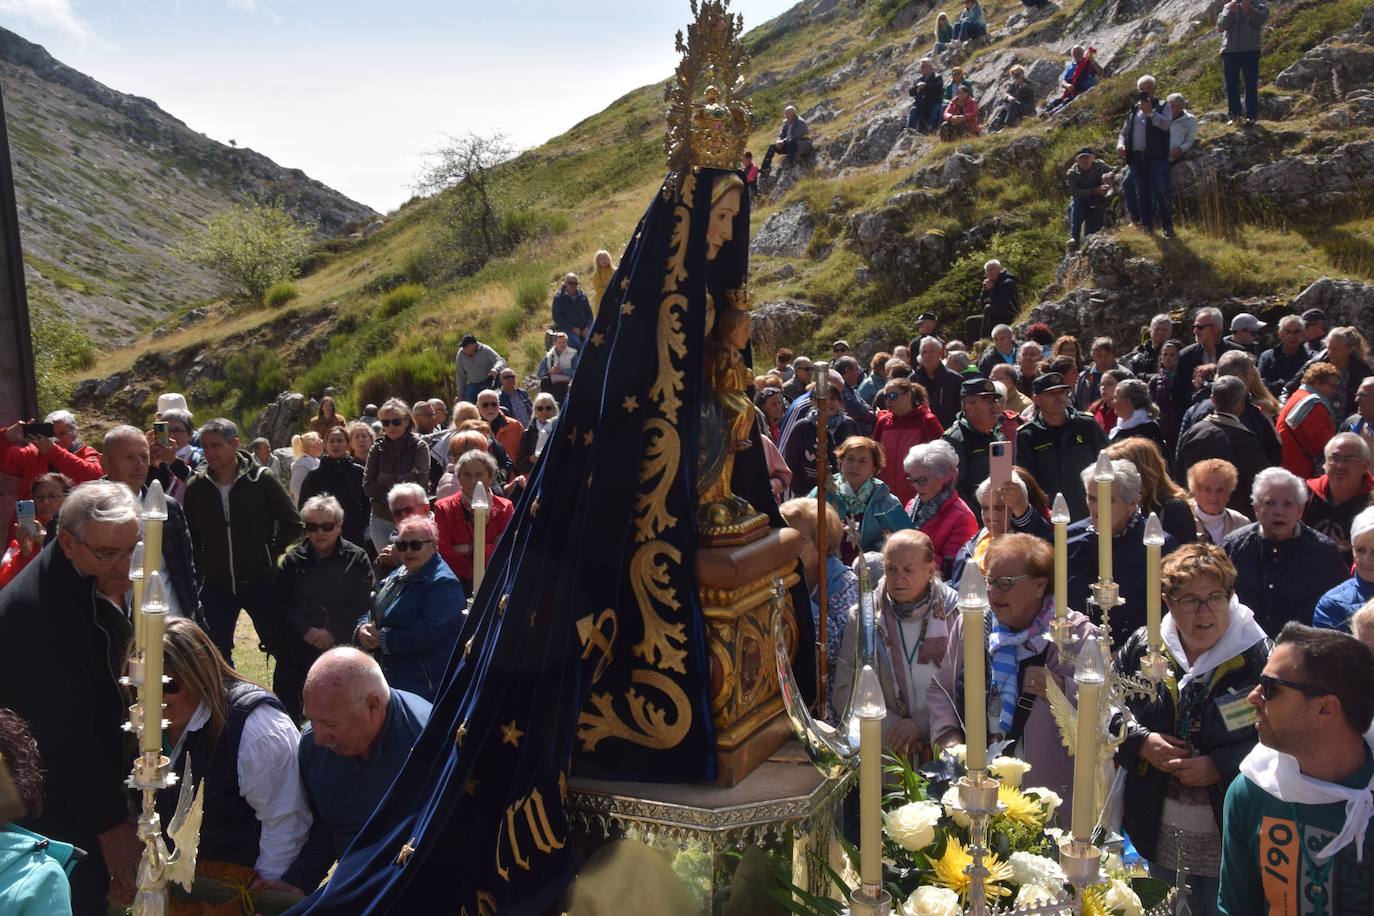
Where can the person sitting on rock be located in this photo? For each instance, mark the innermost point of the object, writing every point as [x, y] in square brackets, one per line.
[926, 97]
[572, 313]
[961, 116]
[956, 79]
[1017, 103]
[999, 297]
[970, 25]
[1089, 187]
[1081, 73]
[792, 141]
[944, 32]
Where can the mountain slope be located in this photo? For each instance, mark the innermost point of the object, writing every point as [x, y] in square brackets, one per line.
[109, 183]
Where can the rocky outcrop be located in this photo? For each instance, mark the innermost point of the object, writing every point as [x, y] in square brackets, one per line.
[1344, 301]
[285, 417]
[779, 321]
[785, 233]
[1101, 290]
[1326, 183]
[1336, 66]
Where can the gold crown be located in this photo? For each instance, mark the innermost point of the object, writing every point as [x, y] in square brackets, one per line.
[709, 130]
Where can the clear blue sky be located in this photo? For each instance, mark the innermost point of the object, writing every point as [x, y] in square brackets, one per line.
[356, 91]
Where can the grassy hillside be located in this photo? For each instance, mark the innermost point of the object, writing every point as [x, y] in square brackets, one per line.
[585, 189]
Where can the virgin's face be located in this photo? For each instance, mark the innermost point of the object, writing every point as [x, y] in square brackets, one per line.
[721, 227]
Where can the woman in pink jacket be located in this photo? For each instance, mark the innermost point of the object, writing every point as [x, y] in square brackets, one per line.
[904, 421]
[937, 509]
[961, 116]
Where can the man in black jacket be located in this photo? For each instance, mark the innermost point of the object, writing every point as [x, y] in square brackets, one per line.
[1144, 359]
[1286, 359]
[1221, 434]
[241, 521]
[1237, 363]
[978, 426]
[1058, 443]
[940, 382]
[1144, 145]
[999, 297]
[63, 621]
[927, 99]
[1207, 349]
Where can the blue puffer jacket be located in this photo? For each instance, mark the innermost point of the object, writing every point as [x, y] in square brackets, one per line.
[33, 880]
[421, 614]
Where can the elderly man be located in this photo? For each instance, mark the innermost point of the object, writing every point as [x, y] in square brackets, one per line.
[792, 140]
[1340, 494]
[1059, 442]
[1240, 24]
[1028, 357]
[1295, 801]
[942, 385]
[1182, 127]
[1208, 348]
[515, 400]
[1089, 387]
[422, 412]
[1089, 182]
[795, 387]
[1362, 420]
[927, 99]
[1282, 565]
[1144, 145]
[360, 733]
[64, 622]
[476, 365]
[1002, 351]
[978, 426]
[1081, 73]
[1286, 359]
[1144, 359]
[1239, 364]
[572, 312]
[999, 297]
[1010, 378]
[1221, 434]
[1245, 334]
[440, 412]
[126, 462]
[854, 405]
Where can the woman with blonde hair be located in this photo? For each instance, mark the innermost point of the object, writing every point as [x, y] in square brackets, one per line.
[602, 272]
[360, 440]
[1158, 492]
[1210, 484]
[306, 450]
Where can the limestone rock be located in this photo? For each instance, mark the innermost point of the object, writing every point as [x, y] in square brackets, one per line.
[1316, 183]
[283, 418]
[870, 143]
[1344, 301]
[1337, 65]
[822, 112]
[904, 264]
[781, 320]
[962, 168]
[785, 233]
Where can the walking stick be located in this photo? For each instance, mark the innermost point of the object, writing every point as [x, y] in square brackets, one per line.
[822, 397]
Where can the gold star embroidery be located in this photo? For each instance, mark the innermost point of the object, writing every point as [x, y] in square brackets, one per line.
[467, 647]
[459, 735]
[598, 339]
[406, 852]
[534, 507]
[511, 735]
[470, 787]
[627, 308]
[587, 437]
[572, 435]
[625, 284]
[631, 404]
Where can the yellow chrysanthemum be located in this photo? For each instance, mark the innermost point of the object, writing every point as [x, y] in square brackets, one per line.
[1019, 807]
[951, 871]
[1094, 901]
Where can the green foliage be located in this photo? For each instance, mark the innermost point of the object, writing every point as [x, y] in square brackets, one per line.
[280, 293]
[251, 247]
[400, 299]
[426, 373]
[59, 347]
[532, 294]
[507, 323]
[257, 375]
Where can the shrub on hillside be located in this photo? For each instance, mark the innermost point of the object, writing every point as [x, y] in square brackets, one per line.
[280, 293]
[400, 299]
[251, 247]
[532, 295]
[408, 376]
[258, 375]
[507, 324]
[58, 347]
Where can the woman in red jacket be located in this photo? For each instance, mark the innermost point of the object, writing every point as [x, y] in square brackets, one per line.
[453, 515]
[937, 509]
[48, 492]
[906, 421]
[1307, 420]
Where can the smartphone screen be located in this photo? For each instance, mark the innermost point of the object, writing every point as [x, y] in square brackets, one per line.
[160, 431]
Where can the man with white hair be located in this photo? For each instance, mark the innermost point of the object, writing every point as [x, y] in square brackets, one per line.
[999, 296]
[1207, 331]
[1002, 351]
[1340, 493]
[1182, 127]
[940, 382]
[1028, 357]
[1144, 144]
[1286, 359]
[1144, 359]
[360, 733]
[1282, 565]
[67, 631]
[791, 142]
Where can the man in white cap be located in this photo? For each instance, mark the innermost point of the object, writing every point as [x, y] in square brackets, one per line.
[1245, 333]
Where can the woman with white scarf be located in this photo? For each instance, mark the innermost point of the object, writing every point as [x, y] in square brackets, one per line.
[1136, 414]
[1186, 744]
[536, 435]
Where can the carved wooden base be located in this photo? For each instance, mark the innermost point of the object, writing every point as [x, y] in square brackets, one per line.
[736, 585]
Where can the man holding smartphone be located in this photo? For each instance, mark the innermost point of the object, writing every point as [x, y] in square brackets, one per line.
[30, 455]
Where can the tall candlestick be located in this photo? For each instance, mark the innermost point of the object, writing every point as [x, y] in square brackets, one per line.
[136, 576]
[154, 514]
[154, 613]
[1154, 540]
[1060, 518]
[973, 601]
[1104, 477]
[1090, 676]
[481, 505]
[869, 709]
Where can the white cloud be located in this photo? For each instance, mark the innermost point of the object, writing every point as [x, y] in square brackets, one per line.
[54, 14]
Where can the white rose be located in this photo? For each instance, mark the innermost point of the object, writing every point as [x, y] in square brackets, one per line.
[932, 901]
[1028, 868]
[1049, 798]
[951, 802]
[1121, 899]
[957, 751]
[912, 826]
[1034, 895]
[1009, 770]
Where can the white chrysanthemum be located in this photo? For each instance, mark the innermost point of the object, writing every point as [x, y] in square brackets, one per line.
[912, 826]
[1028, 868]
[1049, 798]
[932, 901]
[1121, 899]
[1034, 895]
[951, 802]
[957, 751]
[1009, 770]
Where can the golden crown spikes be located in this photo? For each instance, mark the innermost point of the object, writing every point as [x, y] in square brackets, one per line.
[708, 123]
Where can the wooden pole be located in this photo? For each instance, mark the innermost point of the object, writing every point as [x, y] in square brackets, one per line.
[821, 396]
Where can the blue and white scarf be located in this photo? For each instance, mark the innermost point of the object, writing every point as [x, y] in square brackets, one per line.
[1008, 649]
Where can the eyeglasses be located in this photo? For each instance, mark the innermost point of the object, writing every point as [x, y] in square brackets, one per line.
[1269, 687]
[545, 408]
[918, 481]
[1006, 583]
[312, 527]
[893, 395]
[1191, 604]
[392, 421]
[411, 546]
[107, 554]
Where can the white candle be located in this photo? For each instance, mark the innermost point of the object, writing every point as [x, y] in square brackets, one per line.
[869, 709]
[1154, 540]
[481, 505]
[1060, 517]
[154, 612]
[154, 514]
[1104, 476]
[136, 576]
[973, 600]
[1090, 677]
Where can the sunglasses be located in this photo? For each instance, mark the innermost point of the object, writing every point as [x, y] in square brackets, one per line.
[1202, 327]
[312, 527]
[171, 686]
[411, 546]
[547, 408]
[393, 421]
[1269, 687]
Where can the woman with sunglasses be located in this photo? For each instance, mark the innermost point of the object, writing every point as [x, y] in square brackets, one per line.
[905, 421]
[340, 475]
[537, 434]
[397, 457]
[242, 749]
[1187, 741]
[1020, 659]
[324, 587]
[453, 515]
[417, 612]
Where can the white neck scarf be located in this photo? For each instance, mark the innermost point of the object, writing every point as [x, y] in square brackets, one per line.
[1138, 418]
[1241, 633]
[1215, 524]
[1277, 773]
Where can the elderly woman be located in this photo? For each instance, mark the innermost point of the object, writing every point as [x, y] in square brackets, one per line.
[1347, 351]
[841, 585]
[1283, 566]
[1307, 420]
[1020, 658]
[397, 457]
[1158, 492]
[961, 116]
[537, 435]
[1185, 746]
[324, 587]
[905, 420]
[459, 444]
[1210, 485]
[404, 500]
[453, 514]
[913, 610]
[342, 477]
[1136, 414]
[47, 493]
[860, 497]
[1335, 609]
[1006, 510]
[360, 441]
[1128, 549]
[932, 469]
[417, 613]
[242, 748]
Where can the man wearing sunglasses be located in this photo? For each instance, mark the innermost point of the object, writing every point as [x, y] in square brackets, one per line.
[1294, 837]
[1207, 348]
